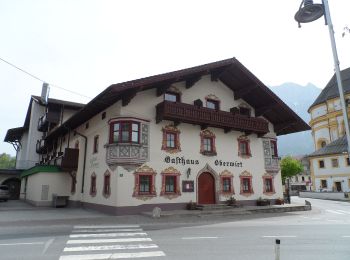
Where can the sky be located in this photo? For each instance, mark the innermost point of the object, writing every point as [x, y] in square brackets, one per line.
[84, 46]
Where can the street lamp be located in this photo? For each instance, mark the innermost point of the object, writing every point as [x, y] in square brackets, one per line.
[309, 13]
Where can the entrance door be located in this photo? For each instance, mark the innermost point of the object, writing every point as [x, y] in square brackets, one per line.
[338, 186]
[206, 189]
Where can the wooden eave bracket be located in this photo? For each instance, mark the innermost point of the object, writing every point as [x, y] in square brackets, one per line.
[240, 93]
[162, 89]
[191, 81]
[126, 97]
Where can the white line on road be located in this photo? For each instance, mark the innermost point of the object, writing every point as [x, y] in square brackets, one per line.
[29, 243]
[279, 236]
[334, 212]
[47, 244]
[343, 211]
[113, 226]
[113, 240]
[346, 236]
[108, 230]
[199, 237]
[112, 256]
[113, 247]
[109, 235]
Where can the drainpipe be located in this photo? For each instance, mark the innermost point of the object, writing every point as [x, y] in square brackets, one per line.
[85, 150]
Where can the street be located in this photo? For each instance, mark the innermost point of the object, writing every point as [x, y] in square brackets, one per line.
[323, 233]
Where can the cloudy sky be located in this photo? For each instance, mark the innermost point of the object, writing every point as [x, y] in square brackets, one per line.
[86, 45]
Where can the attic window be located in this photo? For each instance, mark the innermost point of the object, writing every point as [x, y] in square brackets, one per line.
[244, 111]
[103, 116]
[87, 125]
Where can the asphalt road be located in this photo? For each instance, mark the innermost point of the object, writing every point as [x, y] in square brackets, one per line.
[323, 233]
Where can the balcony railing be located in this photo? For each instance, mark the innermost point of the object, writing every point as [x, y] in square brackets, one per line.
[41, 146]
[51, 117]
[69, 160]
[186, 113]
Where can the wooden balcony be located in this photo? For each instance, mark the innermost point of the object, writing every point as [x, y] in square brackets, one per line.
[205, 117]
[51, 117]
[68, 161]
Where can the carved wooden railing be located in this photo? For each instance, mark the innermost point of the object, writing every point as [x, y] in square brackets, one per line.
[186, 113]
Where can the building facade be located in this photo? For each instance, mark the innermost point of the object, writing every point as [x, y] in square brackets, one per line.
[202, 134]
[330, 167]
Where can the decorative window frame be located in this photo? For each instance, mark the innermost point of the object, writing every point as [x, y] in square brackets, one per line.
[246, 175]
[213, 99]
[274, 149]
[171, 171]
[120, 122]
[226, 175]
[144, 171]
[244, 139]
[173, 130]
[106, 191]
[265, 177]
[174, 91]
[208, 134]
[93, 180]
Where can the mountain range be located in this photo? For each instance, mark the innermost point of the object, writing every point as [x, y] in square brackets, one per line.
[298, 98]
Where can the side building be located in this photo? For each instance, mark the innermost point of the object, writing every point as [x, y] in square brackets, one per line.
[202, 134]
[329, 164]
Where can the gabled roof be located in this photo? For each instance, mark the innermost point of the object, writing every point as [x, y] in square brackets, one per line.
[230, 71]
[15, 134]
[338, 146]
[331, 89]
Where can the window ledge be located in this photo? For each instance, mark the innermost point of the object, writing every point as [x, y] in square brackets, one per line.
[206, 153]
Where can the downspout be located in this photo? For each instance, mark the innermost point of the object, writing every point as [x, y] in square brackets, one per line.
[85, 150]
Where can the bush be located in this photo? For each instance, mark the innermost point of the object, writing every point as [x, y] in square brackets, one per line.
[231, 201]
[191, 205]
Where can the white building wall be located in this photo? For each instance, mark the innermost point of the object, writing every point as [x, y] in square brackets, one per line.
[319, 111]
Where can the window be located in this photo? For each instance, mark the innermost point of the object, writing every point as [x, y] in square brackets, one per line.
[103, 115]
[107, 184]
[144, 182]
[268, 184]
[347, 162]
[324, 184]
[125, 132]
[226, 182]
[93, 185]
[207, 143]
[302, 178]
[172, 97]
[323, 144]
[246, 184]
[87, 125]
[243, 147]
[171, 139]
[273, 144]
[335, 163]
[321, 163]
[170, 183]
[95, 148]
[244, 111]
[213, 104]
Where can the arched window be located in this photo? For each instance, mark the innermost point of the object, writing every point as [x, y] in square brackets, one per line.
[107, 184]
[171, 139]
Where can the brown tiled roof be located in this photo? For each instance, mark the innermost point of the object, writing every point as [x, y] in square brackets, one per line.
[230, 71]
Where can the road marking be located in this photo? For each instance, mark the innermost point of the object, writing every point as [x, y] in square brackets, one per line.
[279, 236]
[113, 247]
[108, 230]
[112, 256]
[199, 237]
[47, 244]
[108, 235]
[29, 243]
[346, 236]
[113, 226]
[112, 240]
[343, 211]
[335, 212]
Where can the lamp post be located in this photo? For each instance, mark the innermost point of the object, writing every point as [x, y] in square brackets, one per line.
[309, 13]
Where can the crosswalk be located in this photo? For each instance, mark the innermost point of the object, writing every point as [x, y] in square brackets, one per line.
[109, 242]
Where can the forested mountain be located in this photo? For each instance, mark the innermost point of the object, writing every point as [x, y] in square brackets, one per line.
[298, 98]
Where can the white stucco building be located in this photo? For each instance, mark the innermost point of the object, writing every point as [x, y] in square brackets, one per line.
[329, 164]
[201, 134]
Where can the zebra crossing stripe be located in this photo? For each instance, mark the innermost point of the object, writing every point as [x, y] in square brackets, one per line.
[107, 230]
[109, 235]
[335, 212]
[112, 256]
[110, 240]
[109, 226]
[112, 247]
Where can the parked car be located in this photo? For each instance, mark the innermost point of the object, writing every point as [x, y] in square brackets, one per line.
[4, 193]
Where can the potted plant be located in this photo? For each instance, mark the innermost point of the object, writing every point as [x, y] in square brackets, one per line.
[231, 201]
[262, 202]
[191, 205]
[279, 201]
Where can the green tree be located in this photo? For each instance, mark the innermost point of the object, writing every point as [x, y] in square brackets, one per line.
[290, 167]
[7, 161]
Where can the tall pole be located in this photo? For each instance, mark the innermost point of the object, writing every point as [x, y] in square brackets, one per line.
[337, 72]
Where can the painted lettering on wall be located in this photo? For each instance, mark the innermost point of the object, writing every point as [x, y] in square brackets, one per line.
[94, 163]
[180, 160]
[232, 164]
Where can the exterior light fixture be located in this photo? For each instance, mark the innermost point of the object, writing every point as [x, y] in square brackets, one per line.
[188, 172]
[309, 12]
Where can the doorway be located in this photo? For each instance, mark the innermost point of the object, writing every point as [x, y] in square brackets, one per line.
[338, 186]
[206, 188]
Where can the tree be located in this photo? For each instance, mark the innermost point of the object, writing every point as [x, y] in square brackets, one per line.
[290, 167]
[7, 161]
